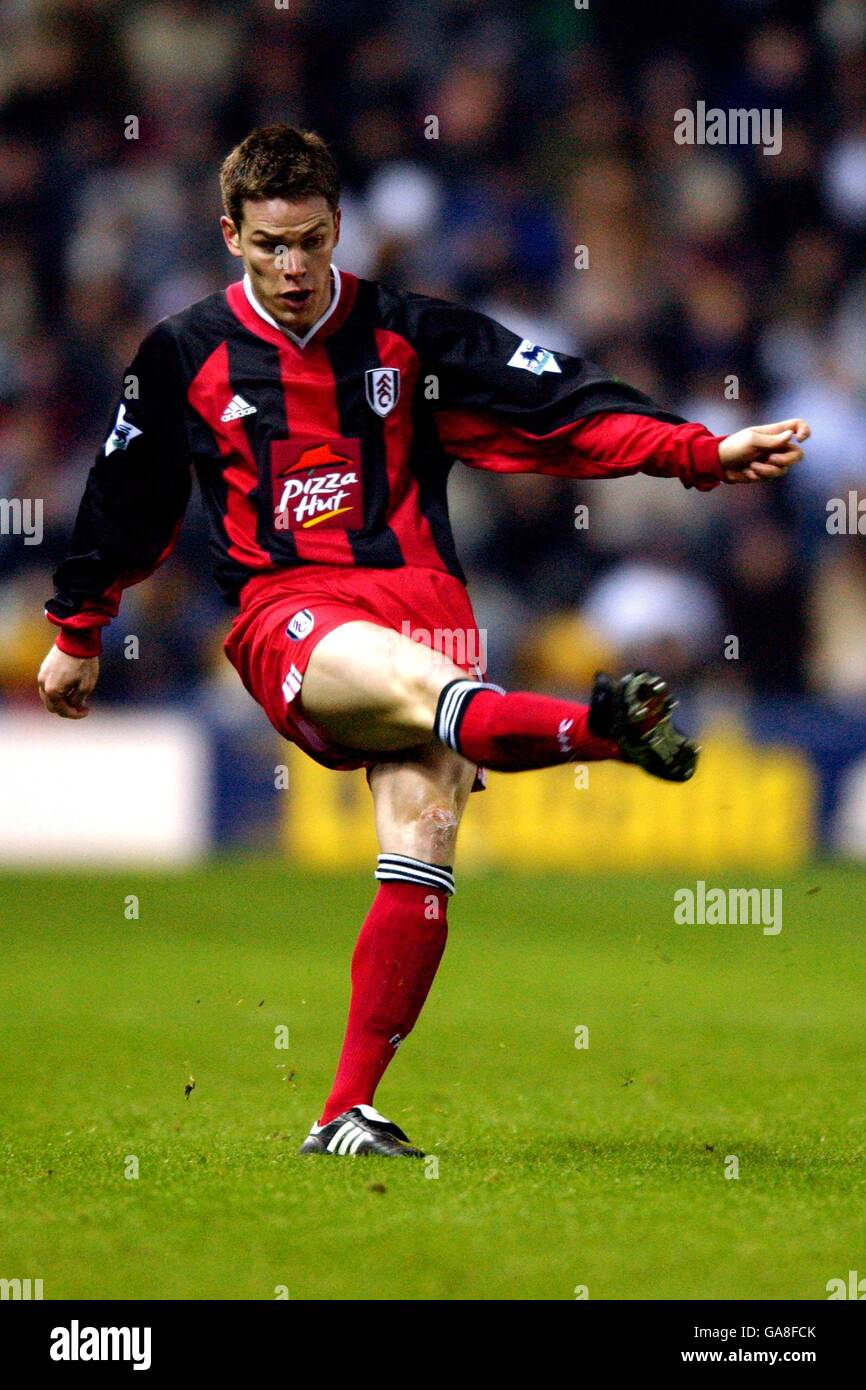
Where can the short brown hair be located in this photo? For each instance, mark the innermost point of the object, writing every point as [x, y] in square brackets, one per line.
[278, 161]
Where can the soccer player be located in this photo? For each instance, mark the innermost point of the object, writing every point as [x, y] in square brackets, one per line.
[322, 414]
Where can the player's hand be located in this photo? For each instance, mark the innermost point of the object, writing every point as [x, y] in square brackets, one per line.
[762, 452]
[65, 682]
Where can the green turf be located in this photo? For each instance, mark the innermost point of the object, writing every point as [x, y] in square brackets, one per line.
[557, 1167]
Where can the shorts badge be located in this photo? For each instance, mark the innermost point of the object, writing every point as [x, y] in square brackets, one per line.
[302, 623]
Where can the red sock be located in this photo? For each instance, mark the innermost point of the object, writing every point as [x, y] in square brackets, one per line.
[517, 731]
[393, 966]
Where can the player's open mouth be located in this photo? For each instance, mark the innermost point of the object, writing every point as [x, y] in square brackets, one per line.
[296, 298]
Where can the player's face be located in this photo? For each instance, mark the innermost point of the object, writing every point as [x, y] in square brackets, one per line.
[286, 248]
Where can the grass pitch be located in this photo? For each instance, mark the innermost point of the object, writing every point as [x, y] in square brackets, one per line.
[558, 1167]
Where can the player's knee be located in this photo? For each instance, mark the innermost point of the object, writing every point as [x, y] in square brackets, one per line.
[429, 832]
[419, 806]
[436, 829]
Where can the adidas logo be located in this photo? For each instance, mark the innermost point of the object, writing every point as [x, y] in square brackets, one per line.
[237, 407]
[348, 1139]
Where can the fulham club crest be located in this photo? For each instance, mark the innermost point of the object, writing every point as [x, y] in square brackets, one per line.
[383, 388]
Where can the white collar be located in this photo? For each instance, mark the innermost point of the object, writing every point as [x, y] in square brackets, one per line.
[299, 342]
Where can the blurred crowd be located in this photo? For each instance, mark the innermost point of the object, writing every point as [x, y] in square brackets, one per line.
[521, 159]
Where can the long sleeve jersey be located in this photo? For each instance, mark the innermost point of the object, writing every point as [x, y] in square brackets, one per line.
[335, 448]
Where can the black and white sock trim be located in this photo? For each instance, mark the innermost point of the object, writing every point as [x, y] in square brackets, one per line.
[451, 708]
[400, 868]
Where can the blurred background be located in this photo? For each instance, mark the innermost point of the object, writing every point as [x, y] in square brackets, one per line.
[728, 283]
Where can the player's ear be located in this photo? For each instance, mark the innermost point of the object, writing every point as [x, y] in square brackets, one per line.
[231, 235]
[337, 214]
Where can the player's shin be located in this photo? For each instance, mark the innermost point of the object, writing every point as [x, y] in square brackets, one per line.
[393, 966]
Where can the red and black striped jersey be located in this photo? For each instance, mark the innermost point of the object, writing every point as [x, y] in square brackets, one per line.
[335, 449]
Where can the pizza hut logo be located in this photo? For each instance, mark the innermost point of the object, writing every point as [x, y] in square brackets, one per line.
[317, 485]
[383, 388]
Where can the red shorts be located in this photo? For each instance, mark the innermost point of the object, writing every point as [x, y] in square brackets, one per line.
[283, 616]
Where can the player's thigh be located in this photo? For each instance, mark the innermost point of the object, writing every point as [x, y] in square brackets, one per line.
[419, 800]
[369, 687]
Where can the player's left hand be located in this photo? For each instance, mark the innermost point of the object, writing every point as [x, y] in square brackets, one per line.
[761, 452]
